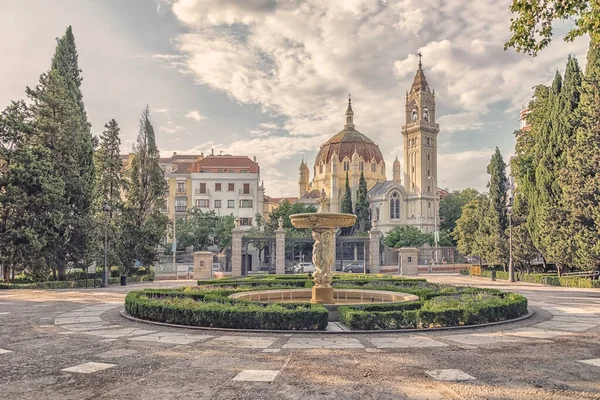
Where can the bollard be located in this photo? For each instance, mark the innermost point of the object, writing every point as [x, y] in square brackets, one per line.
[493, 275]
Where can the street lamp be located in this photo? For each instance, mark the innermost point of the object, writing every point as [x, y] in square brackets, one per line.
[435, 234]
[106, 209]
[511, 271]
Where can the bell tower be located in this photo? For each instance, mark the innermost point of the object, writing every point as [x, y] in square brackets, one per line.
[303, 176]
[420, 151]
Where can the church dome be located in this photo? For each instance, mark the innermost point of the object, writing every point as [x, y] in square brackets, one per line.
[348, 141]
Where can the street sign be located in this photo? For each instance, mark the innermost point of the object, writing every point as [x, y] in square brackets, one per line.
[436, 235]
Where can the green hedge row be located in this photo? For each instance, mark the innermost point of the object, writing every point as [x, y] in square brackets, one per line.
[425, 314]
[214, 309]
[546, 279]
[73, 284]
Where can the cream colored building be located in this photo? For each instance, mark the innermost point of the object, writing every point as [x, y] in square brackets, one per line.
[410, 198]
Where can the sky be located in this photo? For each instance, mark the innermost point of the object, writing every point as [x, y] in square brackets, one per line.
[270, 78]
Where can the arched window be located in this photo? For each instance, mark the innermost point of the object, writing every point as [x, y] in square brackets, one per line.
[373, 166]
[395, 206]
[414, 114]
[361, 166]
[346, 165]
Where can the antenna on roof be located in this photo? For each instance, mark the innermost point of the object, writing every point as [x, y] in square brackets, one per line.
[212, 152]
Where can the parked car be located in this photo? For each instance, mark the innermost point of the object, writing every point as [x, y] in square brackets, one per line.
[216, 266]
[355, 267]
[304, 267]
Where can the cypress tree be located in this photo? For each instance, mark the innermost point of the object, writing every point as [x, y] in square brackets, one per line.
[363, 220]
[581, 181]
[109, 181]
[492, 237]
[346, 206]
[141, 224]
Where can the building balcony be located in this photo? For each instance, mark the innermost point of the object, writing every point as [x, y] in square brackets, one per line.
[249, 192]
[198, 191]
[180, 193]
[180, 208]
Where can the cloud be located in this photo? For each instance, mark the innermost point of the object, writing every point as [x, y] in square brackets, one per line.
[297, 60]
[195, 115]
[161, 110]
[269, 125]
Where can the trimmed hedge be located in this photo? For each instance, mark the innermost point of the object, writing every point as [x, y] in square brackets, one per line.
[546, 279]
[465, 309]
[73, 284]
[215, 309]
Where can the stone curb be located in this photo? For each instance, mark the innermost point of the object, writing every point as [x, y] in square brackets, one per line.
[529, 314]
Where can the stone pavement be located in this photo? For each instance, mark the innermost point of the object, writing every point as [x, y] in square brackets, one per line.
[74, 344]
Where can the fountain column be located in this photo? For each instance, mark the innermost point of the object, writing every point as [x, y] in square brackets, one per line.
[280, 248]
[374, 237]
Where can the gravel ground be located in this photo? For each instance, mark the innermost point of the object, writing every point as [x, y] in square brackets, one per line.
[504, 363]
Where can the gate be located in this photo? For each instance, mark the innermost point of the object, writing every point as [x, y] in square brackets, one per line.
[352, 249]
[297, 250]
[258, 254]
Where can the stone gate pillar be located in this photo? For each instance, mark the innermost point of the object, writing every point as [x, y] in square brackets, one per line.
[236, 249]
[280, 248]
[374, 257]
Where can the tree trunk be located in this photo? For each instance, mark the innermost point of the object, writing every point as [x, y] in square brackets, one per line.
[6, 273]
[544, 264]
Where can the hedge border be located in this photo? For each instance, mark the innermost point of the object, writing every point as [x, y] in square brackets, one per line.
[74, 284]
[543, 279]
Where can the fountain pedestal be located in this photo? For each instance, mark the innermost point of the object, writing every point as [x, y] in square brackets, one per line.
[323, 231]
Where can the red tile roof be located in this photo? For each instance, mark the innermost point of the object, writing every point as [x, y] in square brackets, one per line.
[237, 163]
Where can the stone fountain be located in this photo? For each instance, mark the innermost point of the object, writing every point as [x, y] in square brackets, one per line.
[323, 225]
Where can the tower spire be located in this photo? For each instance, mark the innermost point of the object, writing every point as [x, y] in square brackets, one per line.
[349, 114]
[420, 55]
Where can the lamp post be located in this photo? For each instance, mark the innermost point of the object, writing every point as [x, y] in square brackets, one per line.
[511, 271]
[106, 209]
[435, 234]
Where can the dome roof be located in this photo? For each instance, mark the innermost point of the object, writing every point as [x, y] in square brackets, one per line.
[348, 141]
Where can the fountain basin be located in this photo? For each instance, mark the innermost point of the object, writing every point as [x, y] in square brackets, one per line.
[341, 297]
[322, 220]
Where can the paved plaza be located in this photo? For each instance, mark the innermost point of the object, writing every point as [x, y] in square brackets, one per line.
[74, 344]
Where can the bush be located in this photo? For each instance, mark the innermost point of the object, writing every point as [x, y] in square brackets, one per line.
[440, 311]
[215, 309]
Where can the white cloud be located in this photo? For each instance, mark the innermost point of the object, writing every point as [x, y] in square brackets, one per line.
[269, 125]
[298, 59]
[161, 110]
[195, 115]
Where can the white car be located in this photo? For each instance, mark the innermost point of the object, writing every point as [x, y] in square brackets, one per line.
[304, 267]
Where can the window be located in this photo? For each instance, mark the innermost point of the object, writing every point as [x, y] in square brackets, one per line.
[230, 203]
[428, 189]
[361, 166]
[203, 187]
[244, 171]
[180, 205]
[321, 168]
[346, 165]
[202, 203]
[245, 221]
[373, 166]
[217, 187]
[395, 206]
[231, 187]
[231, 171]
[377, 213]
[427, 157]
[246, 188]
[217, 203]
[180, 187]
[219, 171]
[429, 205]
[245, 203]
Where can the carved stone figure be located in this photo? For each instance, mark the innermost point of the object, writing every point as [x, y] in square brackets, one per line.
[323, 256]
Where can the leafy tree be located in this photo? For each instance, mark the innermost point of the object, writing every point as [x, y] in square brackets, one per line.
[202, 230]
[57, 128]
[363, 214]
[30, 191]
[491, 238]
[141, 223]
[284, 210]
[451, 207]
[467, 226]
[581, 178]
[524, 251]
[406, 236]
[532, 29]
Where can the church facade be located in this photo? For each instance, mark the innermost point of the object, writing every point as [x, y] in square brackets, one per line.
[411, 196]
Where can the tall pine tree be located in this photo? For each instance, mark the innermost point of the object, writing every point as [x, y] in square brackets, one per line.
[581, 181]
[363, 214]
[108, 163]
[491, 238]
[141, 224]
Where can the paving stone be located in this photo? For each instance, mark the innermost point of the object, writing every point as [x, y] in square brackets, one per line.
[536, 333]
[93, 326]
[4, 313]
[405, 342]
[119, 333]
[88, 368]
[108, 340]
[271, 350]
[318, 343]
[449, 375]
[482, 338]
[565, 326]
[117, 353]
[78, 320]
[254, 375]
[4, 351]
[371, 350]
[248, 342]
[594, 361]
[171, 337]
